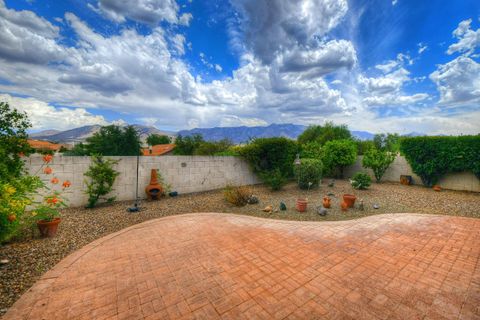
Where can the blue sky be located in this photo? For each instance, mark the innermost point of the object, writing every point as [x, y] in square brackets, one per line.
[375, 65]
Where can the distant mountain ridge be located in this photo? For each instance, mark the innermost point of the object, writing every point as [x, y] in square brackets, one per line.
[235, 134]
[81, 134]
[243, 134]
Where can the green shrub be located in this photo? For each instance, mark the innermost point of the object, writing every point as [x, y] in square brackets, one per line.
[186, 146]
[338, 154]
[322, 134]
[269, 154]
[210, 148]
[102, 176]
[154, 139]
[432, 157]
[311, 150]
[378, 161]
[361, 181]
[363, 146]
[308, 173]
[274, 179]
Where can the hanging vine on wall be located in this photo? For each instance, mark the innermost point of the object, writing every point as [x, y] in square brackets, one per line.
[433, 157]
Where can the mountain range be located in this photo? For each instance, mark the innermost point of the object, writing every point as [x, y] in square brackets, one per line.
[81, 134]
[244, 134]
[235, 134]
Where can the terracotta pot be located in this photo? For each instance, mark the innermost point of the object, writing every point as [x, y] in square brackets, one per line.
[326, 202]
[437, 188]
[349, 199]
[48, 228]
[344, 206]
[154, 190]
[301, 205]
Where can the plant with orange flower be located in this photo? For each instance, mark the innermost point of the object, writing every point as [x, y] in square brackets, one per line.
[49, 208]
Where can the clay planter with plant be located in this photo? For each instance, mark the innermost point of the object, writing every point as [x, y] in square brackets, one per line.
[47, 212]
[349, 199]
[301, 205]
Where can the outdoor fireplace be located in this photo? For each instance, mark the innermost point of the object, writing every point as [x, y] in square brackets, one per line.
[154, 190]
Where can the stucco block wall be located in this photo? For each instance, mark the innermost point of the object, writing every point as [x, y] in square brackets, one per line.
[185, 174]
[466, 181]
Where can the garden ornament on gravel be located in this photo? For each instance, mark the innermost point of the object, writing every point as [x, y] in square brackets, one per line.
[376, 206]
[268, 209]
[322, 211]
[361, 206]
[283, 206]
[252, 200]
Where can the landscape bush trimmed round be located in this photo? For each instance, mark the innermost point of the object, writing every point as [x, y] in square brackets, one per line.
[308, 173]
[361, 181]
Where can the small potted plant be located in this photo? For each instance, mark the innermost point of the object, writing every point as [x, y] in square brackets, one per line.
[47, 212]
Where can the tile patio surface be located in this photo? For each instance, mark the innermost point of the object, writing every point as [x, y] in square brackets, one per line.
[210, 266]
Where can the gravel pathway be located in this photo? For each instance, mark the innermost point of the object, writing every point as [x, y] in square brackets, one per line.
[30, 258]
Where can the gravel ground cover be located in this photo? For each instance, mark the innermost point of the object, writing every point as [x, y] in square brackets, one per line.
[31, 257]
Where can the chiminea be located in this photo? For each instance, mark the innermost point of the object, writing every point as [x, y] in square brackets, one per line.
[154, 190]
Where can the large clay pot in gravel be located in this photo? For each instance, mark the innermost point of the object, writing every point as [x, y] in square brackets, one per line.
[301, 205]
[326, 202]
[48, 228]
[349, 199]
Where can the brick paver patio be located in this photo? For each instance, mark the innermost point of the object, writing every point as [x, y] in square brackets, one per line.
[210, 266]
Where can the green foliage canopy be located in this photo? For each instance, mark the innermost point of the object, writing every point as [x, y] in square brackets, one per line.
[322, 134]
[308, 173]
[378, 161]
[110, 141]
[154, 139]
[101, 177]
[338, 154]
[271, 158]
[433, 157]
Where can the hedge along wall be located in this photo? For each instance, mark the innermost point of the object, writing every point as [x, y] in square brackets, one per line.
[465, 181]
[186, 174]
[431, 158]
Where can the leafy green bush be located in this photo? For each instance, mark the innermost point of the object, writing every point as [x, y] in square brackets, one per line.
[361, 181]
[16, 186]
[387, 142]
[433, 157]
[275, 179]
[270, 154]
[308, 173]
[154, 139]
[311, 150]
[102, 176]
[110, 141]
[322, 134]
[378, 161]
[210, 148]
[338, 154]
[186, 146]
[363, 146]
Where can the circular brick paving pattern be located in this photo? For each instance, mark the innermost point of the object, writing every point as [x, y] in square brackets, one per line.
[209, 266]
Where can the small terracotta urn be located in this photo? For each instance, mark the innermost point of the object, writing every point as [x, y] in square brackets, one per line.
[301, 205]
[154, 190]
[344, 206]
[437, 188]
[349, 199]
[326, 202]
[48, 229]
